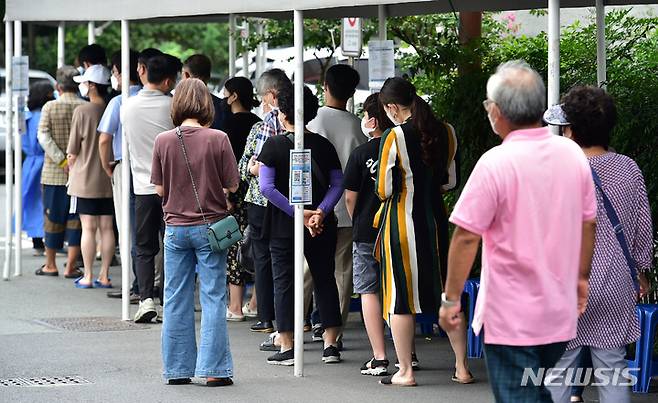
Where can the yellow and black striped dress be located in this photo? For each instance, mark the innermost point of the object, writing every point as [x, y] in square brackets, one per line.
[412, 242]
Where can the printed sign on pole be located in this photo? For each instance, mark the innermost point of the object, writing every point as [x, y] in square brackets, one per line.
[381, 63]
[20, 68]
[300, 178]
[352, 39]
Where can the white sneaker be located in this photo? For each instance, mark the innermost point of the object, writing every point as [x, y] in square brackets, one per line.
[146, 311]
[231, 317]
[248, 312]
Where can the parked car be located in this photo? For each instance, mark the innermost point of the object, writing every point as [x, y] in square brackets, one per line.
[35, 75]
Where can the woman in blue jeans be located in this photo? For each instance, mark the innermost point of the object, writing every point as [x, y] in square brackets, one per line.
[188, 208]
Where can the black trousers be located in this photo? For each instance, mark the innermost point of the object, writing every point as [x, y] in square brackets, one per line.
[260, 247]
[319, 253]
[149, 224]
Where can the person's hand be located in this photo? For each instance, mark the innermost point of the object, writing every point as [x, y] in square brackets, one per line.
[229, 206]
[253, 166]
[450, 318]
[317, 218]
[313, 221]
[645, 287]
[583, 295]
[109, 170]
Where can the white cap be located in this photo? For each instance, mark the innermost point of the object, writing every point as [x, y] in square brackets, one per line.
[96, 73]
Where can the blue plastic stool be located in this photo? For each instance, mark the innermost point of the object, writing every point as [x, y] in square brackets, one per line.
[474, 342]
[427, 322]
[648, 365]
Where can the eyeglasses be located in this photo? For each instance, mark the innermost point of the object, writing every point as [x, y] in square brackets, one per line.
[486, 103]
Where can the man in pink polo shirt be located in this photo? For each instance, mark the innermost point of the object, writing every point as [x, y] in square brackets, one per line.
[532, 201]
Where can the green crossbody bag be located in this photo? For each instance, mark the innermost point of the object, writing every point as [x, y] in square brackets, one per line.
[224, 233]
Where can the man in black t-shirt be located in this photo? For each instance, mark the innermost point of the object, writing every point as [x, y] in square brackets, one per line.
[362, 205]
[199, 66]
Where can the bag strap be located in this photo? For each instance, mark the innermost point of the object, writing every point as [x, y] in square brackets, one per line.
[189, 170]
[315, 168]
[619, 230]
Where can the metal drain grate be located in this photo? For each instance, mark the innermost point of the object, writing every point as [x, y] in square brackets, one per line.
[90, 324]
[44, 381]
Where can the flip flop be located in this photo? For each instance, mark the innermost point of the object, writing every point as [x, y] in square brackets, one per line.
[467, 381]
[388, 381]
[75, 274]
[99, 284]
[78, 284]
[41, 272]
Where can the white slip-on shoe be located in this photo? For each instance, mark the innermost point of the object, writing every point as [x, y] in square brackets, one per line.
[248, 312]
[231, 317]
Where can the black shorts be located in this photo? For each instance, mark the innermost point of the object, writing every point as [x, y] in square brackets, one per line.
[103, 206]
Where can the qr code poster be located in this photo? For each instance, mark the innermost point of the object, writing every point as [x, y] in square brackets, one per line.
[301, 184]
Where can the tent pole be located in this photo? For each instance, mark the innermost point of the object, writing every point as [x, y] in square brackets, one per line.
[260, 51]
[9, 174]
[91, 33]
[381, 15]
[299, 209]
[18, 164]
[231, 45]
[553, 55]
[60, 43]
[245, 51]
[601, 68]
[125, 233]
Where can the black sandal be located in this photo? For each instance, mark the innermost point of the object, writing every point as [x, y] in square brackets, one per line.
[74, 274]
[41, 272]
[179, 381]
[388, 381]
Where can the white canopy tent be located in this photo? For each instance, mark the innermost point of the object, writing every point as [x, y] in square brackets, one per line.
[62, 11]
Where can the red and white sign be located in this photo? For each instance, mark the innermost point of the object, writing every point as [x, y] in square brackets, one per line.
[352, 38]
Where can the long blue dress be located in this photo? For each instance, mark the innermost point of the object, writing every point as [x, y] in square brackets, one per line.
[31, 180]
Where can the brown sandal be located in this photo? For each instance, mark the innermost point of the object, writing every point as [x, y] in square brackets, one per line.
[461, 381]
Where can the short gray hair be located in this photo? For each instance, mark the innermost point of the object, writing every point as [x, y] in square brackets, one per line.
[272, 80]
[519, 92]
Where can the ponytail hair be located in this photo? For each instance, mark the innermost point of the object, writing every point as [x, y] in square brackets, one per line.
[433, 134]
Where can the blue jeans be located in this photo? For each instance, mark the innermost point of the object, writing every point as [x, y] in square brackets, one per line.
[187, 247]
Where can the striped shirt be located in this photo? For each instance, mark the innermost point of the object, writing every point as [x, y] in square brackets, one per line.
[53, 134]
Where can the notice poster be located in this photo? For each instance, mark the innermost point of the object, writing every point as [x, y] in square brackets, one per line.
[300, 178]
[351, 41]
[381, 63]
[20, 69]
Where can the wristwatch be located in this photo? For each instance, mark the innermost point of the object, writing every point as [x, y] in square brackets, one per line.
[446, 303]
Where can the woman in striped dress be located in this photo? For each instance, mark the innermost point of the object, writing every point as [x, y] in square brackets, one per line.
[412, 219]
[609, 323]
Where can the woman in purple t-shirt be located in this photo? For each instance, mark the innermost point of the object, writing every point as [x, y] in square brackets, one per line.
[188, 210]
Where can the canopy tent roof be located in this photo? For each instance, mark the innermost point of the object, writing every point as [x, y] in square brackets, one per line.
[213, 10]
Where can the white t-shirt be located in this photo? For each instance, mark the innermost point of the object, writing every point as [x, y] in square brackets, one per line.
[144, 116]
[343, 130]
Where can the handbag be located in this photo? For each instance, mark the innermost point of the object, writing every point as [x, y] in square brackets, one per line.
[246, 254]
[225, 232]
[619, 230]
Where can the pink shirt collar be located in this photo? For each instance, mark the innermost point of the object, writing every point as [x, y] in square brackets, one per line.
[528, 134]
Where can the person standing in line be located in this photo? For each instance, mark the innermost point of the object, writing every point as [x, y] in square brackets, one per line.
[610, 323]
[320, 240]
[362, 205]
[199, 66]
[40, 93]
[269, 84]
[109, 146]
[208, 155]
[534, 255]
[91, 55]
[89, 186]
[343, 130]
[413, 161]
[145, 116]
[53, 135]
[239, 97]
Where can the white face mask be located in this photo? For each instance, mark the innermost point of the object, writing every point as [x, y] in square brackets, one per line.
[114, 82]
[84, 89]
[367, 131]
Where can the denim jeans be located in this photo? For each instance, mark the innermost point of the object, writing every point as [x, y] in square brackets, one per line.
[187, 247]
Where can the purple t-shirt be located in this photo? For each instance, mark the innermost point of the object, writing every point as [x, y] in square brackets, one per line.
[213, 167]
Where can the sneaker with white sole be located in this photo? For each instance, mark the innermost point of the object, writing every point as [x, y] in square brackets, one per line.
[318, 332]
[375, 367]
[415, 365]
[248, 312]
[286, 358]
[232, 317]
[331, 355]
[146, 311]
